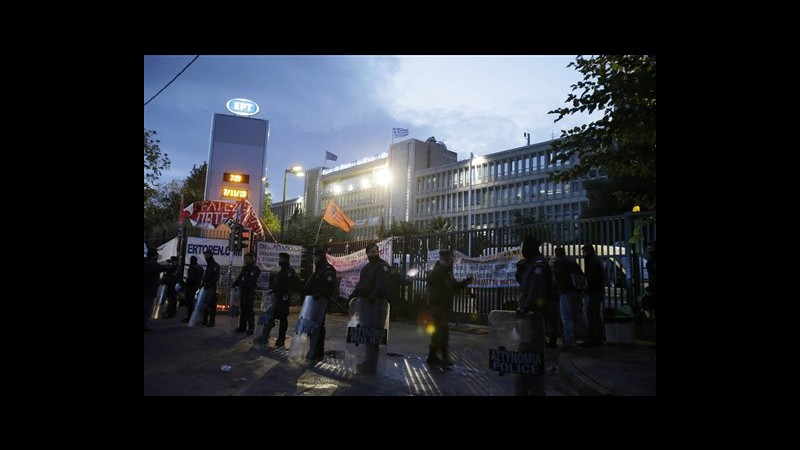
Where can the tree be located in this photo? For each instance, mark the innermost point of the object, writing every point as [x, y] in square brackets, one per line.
[194, 187]
[154, 160]
[603, 202]
[270, 219]
[301, 229]
[161, 211]
[162, 207]
[439, 224]
[404, 228]
[623, 141]
[383, 232]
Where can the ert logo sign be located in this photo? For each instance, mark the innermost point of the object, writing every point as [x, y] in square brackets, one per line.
[242, 106]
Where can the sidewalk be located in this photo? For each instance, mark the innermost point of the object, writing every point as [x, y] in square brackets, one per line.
[618, 370]
[179, 360]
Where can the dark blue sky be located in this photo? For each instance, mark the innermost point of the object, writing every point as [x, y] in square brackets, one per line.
[348, 105]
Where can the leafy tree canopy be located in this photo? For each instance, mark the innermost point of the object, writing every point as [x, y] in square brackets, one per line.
[623, 141]
[272, 221]
[154, 160]
[439, 224]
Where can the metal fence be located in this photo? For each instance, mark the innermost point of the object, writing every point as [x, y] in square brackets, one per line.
[618, 240]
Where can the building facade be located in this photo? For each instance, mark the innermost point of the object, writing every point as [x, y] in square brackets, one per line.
[504, 185]
[293, 206]
[417, 181]
[375, 189]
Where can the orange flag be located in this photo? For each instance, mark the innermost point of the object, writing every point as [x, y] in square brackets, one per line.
[336, 217]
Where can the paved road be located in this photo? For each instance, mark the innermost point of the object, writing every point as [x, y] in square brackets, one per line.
[179, 360]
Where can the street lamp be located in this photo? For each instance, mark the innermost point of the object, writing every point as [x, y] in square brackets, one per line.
[297, 170]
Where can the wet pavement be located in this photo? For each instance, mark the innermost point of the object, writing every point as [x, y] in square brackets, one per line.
[184, 361]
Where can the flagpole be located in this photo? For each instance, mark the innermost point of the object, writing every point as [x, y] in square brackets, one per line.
[318, 229]
[264, 224]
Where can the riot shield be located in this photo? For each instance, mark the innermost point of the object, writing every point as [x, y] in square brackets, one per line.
[161, 297]
[201, 300]
[516, 346]
[234, 309]
[367, 330]
[307, 330]
[266, 318]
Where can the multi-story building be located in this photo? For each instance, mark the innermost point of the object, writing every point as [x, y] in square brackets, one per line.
[499, 187]
[377, 188]
[416, 181]
[293, 205]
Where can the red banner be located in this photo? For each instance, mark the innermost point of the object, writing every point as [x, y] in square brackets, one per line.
[209, 213]
[212, 213]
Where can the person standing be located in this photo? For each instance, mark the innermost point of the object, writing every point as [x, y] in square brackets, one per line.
[651, 274]
[595, 281]
[651, 282]
[535, 278]
[171, 277]
[373, 283]
[321, 285]
[209, 281]
[194, 276]
[246, 281]
[442, 286]
[564, 268]
[151, 271]
[281, 283]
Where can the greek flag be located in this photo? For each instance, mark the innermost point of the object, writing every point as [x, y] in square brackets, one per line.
[330, 156]
[399, 132]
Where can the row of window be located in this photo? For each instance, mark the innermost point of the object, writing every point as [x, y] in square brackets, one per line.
[497, 196]
[507, 218]
[357, 198]
[489, 171]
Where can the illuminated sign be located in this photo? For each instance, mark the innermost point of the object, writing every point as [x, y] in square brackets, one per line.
[234, 193]
[236, 177]
[242, 106]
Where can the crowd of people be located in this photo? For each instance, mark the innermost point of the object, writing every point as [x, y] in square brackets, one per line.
[568, 297]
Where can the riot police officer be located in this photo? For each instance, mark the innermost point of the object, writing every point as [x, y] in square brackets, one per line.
[373, 285]
[442, 285]
[536, 294]
[536, 287]
[210, 279]
[246, 281]
[171, 277]
[281, 283]
[321, 285]
[193, 278]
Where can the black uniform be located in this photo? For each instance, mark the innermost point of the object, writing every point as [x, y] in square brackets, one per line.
[442, 285]
[171, 277]
[651, 287]
[322, 283]
[282, 284]
[193, 278]
[247, 282]
[537, 293]
[595, 281]
[210, 279]
[151, 270]
[373, 284]
[373, 281]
